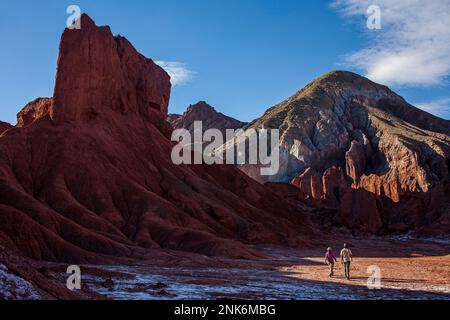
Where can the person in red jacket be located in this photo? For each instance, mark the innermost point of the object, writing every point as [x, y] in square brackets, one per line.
[330, 259]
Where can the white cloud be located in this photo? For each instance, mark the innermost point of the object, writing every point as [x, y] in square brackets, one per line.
[178, 72]
[411, 49]
[440, 107]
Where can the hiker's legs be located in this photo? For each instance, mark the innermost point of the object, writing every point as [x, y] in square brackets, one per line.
[331, 269]
[347, 269]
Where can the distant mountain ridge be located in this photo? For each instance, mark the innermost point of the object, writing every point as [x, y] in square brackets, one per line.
[210, 118]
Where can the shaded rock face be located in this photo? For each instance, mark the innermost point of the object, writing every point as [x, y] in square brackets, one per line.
[124, 80]
[211, 119]
[93, 180]
[351, 144]
[4, 126]
[172, 117]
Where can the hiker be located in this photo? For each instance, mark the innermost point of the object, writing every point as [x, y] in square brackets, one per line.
[346, 259]
[330, 259]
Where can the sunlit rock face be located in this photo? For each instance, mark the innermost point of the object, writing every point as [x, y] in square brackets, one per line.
[345, 134]
[34, 111]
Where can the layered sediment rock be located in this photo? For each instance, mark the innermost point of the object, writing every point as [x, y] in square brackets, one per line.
[357, 146]
[87, 175]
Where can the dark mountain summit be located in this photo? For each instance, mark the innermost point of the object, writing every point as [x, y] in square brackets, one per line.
[201, 111]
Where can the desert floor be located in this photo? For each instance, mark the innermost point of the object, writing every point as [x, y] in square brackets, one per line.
[410, 269]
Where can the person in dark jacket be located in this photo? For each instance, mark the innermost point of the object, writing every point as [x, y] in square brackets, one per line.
[346, 260]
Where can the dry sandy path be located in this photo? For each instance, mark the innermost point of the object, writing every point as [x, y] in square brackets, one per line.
[409, 270]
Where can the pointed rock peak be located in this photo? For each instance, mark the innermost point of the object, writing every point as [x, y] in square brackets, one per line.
[98, 74]
[33, 111]
[343, 85]
[201, 105]
[202, 111]
[86, 21]
[340, 77]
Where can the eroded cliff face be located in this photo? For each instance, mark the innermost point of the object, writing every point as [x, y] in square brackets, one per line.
[353, 145]
[34, 111]
[86, 176]
[124, 81]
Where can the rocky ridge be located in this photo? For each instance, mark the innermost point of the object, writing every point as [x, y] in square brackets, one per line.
[355, 146]
[210, 118]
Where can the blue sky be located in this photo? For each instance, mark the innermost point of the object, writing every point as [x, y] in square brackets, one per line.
[240, 56]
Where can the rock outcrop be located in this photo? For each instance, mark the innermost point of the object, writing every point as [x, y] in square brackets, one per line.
[210, 118]
[126, 82]
[34, 111]
[4, 126]
[87, 176]
[354, 145]
[172, 117]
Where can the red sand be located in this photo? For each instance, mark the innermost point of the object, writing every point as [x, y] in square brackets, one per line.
[413, 265]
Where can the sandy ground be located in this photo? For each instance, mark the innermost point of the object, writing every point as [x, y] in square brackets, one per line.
[421, 266]
[409, 270]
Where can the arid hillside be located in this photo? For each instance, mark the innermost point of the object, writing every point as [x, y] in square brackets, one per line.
[356, 147]
[86, 176]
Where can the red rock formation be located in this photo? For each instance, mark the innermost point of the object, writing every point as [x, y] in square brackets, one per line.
[321, 189]
[361, 210]
[93, 178]
[333, 183]
[34, 111]
[125, 81]
[4, 126]
[303, 182]
[316, 187]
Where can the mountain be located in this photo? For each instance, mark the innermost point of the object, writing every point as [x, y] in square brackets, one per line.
[86, 175]
[172, 117]
[211, 119]
[353, 145]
